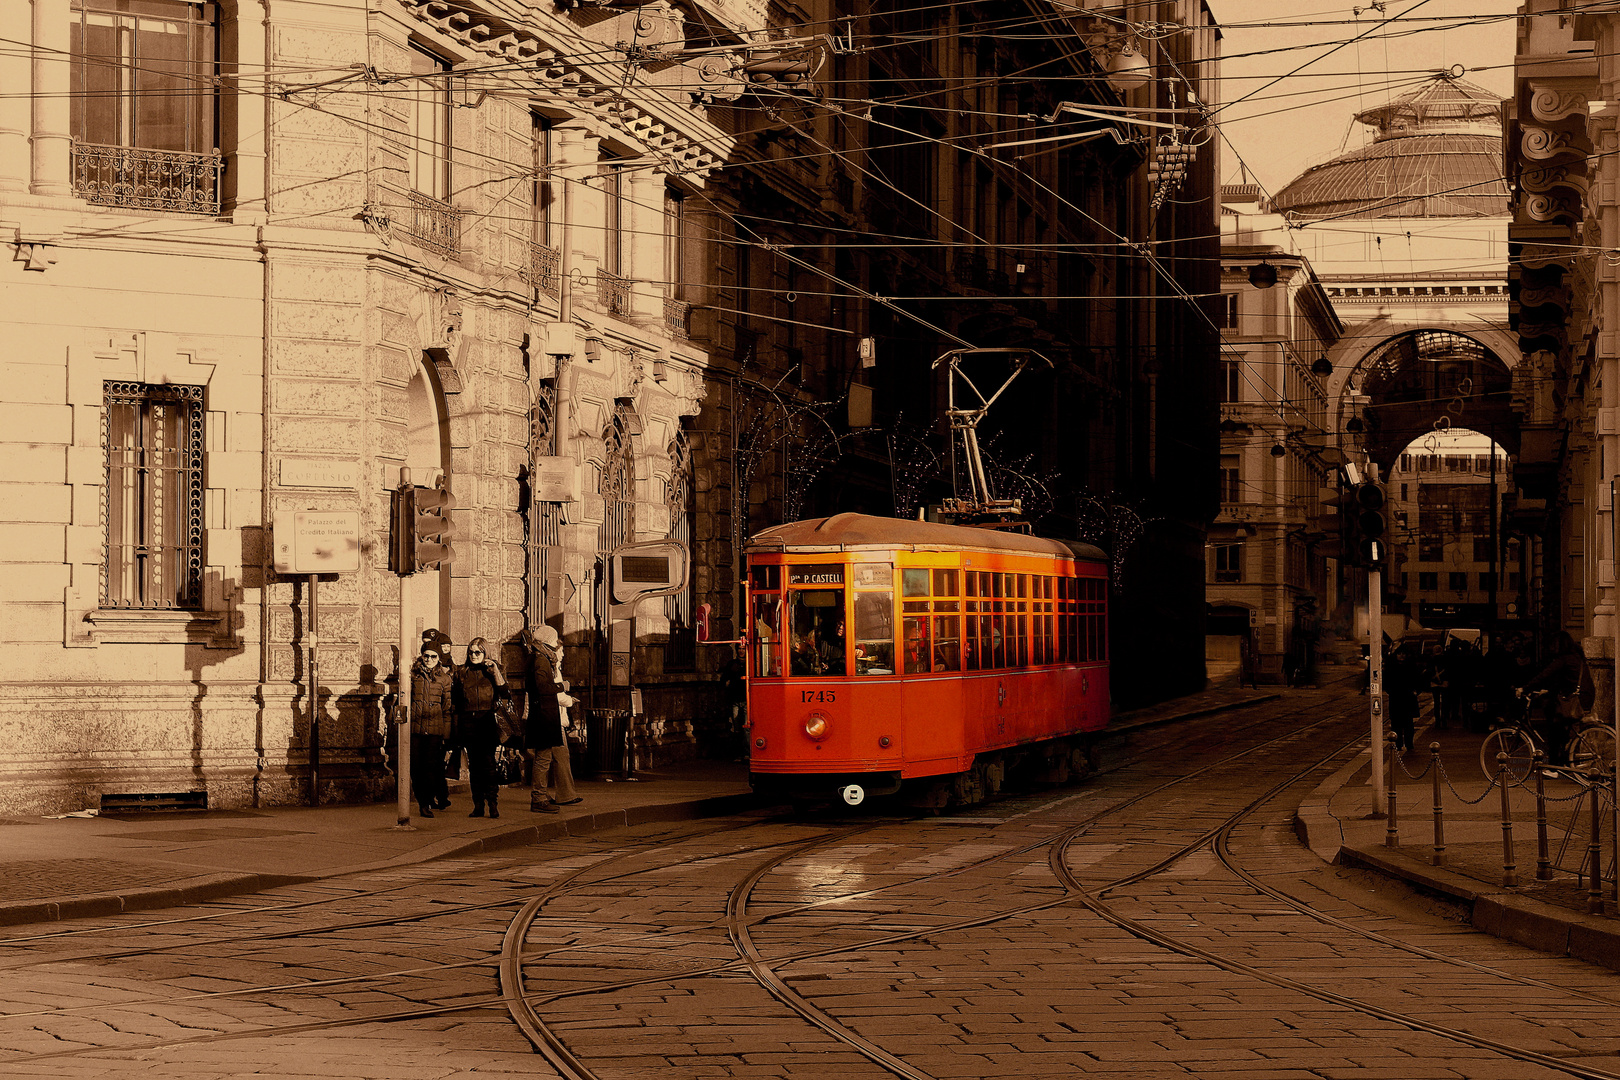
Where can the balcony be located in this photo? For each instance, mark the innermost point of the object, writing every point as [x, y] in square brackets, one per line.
[614, 293]
[143, 179]
[675, 314]
[433, 224]
[544, 263]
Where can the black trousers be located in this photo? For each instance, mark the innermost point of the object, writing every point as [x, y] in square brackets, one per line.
[427, 769]
[481, 736]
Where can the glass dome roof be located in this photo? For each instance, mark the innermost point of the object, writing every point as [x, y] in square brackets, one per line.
[1437, 154]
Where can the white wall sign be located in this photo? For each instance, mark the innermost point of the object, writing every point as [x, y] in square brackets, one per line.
[317, 541]
[556, 479]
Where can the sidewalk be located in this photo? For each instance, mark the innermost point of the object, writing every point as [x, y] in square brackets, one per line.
[1337, 822]
[73, 867]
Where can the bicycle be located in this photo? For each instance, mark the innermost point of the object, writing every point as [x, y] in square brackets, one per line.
[1591, 744]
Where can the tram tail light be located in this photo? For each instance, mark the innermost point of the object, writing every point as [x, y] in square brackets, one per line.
[815, 726]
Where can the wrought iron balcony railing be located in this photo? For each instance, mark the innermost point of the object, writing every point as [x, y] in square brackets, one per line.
[145, 179]
[544, 263]
[433, 224]
[675, 313]
[614, 292]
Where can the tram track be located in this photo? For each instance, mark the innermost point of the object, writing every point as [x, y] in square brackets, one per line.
[739, 922]
[1090, 896]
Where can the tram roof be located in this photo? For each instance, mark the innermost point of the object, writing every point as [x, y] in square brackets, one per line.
[845, 532]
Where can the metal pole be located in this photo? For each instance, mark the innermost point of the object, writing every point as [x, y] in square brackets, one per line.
[313, 635]
[1614, 682]
[1392, 832]
[402, 696]
[1594, 853]
[1510, 875]
[1375, 682]
[1439, 812]
[1543, 859]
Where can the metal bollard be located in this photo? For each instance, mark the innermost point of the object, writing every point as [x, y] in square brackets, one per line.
[1594, 856]
[1543, 860]
[1392, 832]
[1439, 813]
[1510, 875]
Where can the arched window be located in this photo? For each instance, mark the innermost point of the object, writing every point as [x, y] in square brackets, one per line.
[681, 652]
[618, 490]
[544, 519]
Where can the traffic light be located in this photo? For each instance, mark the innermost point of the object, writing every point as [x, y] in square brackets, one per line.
[420, 528]
[433, 528]
[1328, 525]
[1372, 524]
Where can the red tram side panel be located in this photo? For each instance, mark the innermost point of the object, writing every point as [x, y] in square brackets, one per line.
[884, 651]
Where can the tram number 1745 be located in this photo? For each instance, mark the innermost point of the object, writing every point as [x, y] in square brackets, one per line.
[818, 695]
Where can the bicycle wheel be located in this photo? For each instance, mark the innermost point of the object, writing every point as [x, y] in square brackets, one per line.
[1593, 747]
[1516, 745]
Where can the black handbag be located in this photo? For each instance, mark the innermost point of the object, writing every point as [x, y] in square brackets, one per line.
[452, 765]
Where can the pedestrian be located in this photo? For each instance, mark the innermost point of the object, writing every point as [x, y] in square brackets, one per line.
[544, 733]
[480, 686]
[1247, 663]
[1403, 678]
[1572, 693]
[431, 714]
[734, 699]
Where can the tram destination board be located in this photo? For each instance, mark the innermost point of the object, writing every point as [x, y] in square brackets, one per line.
[816, 574]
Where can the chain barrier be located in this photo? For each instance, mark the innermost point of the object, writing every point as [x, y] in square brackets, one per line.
[1446, 776]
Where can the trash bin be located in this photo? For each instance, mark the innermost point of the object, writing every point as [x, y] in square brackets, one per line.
[607, 738]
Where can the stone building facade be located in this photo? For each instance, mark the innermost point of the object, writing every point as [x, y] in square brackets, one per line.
[328, 242]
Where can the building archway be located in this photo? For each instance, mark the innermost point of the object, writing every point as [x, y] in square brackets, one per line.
[427, 455]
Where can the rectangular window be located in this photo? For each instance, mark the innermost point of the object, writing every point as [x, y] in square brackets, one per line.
[1487, 580]
[614, 220]
[1459, 581]
[152, 498]
[675, 243]
[143, 74]
[1228, 563]
[1231, 380]
[1482, 549]
[874, 618]
[544, 195]
[1428, 580]
[1229, 311]
[428, 126]
[1231, 479]
[765, 583]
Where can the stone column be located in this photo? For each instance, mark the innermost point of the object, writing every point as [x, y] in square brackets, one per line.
[52, 164]
[16, 79]
[577, 152]
[645, 221]
[242, 123]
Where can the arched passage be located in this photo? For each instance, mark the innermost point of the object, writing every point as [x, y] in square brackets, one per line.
[1395, 384]
[427, 456]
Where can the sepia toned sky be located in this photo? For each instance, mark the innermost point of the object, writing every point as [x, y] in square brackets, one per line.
[1307, 117]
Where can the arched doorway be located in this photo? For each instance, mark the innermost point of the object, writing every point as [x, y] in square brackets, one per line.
[426, 594]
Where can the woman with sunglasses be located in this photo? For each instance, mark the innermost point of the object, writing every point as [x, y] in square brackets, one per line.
[479, 687]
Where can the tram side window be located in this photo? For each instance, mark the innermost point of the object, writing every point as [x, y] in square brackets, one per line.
[918, 643]
[766, 582]
[874, 623]
[970, 621]
[947, 622]
[818, 631]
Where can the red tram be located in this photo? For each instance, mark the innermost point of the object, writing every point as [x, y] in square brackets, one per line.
[886, 653]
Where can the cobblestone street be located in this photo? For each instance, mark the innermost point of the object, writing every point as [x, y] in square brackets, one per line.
[1105, 929]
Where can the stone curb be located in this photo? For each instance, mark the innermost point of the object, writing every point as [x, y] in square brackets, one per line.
[1498, 910]
[1492, 909]
[196, 890]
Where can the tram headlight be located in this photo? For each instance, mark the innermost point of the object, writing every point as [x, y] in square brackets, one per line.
[815, 726]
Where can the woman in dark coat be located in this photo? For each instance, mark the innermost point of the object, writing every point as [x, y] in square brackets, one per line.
[431, 713]
[543, 733]
[479, 686]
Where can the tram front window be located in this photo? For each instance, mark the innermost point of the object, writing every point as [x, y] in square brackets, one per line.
[818, 632]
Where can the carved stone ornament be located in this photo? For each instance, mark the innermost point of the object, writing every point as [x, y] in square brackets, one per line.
[1545, 143]
[1556, 296]
[1553, 206]
[1548, 177]
[1550, 104]
[443, 330]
